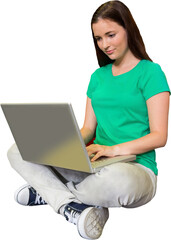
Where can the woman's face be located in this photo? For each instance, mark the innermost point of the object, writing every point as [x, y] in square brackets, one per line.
[111, 38]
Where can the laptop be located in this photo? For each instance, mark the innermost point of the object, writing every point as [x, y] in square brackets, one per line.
[48, 134]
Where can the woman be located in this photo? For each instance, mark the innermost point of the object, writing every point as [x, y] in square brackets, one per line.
[127, 112]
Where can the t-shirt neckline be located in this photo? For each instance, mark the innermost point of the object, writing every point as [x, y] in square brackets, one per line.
[126, 73]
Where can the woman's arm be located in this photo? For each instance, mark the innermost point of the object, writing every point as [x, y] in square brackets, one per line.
[158, 109]
[90, 123]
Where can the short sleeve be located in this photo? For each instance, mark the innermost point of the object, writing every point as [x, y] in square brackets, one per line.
[154, 81]
[92, 85]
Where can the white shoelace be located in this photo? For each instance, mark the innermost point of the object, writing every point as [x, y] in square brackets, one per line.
[39, 199]
[72, 216]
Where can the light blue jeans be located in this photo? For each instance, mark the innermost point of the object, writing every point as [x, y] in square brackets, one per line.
[117, 185]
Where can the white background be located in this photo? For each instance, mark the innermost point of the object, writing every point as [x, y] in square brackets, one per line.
[47, 55]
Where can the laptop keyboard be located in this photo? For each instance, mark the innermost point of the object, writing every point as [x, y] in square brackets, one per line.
[96, 163]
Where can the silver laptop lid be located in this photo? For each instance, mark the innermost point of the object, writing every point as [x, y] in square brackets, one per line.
[48, 134]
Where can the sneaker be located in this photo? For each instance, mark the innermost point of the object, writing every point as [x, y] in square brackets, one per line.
[27, 196]
[90, 220]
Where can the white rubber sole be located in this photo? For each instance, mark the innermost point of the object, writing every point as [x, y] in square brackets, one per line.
[91, 222]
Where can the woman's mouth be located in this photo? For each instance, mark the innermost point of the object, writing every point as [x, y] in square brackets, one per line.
[109, 52]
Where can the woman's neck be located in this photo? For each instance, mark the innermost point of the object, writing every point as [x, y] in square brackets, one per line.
[124, 64]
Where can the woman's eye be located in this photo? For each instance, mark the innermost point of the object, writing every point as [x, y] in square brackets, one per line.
[98, 39]
[112, 35]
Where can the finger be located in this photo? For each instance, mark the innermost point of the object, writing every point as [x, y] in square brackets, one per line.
[92, 146]
[99, 154]
[89, 148]
[92, 149]
[90, 152]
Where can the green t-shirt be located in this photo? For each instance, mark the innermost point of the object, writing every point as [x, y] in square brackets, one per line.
[119, 103]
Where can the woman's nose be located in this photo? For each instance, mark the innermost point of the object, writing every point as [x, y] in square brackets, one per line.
[105, 44]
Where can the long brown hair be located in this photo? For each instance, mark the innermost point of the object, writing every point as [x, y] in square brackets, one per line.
[119, 12]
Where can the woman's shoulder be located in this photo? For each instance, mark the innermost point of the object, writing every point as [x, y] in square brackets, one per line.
[148, 65]
[102, 70]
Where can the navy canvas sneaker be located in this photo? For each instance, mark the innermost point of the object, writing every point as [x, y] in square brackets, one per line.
[27, 196]
[90, 220]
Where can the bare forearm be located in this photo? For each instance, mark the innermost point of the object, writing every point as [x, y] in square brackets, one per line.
[144, 144]
[138, 146]
[87, 134]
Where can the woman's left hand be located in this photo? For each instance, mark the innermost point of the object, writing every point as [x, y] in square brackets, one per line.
[101, 150]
